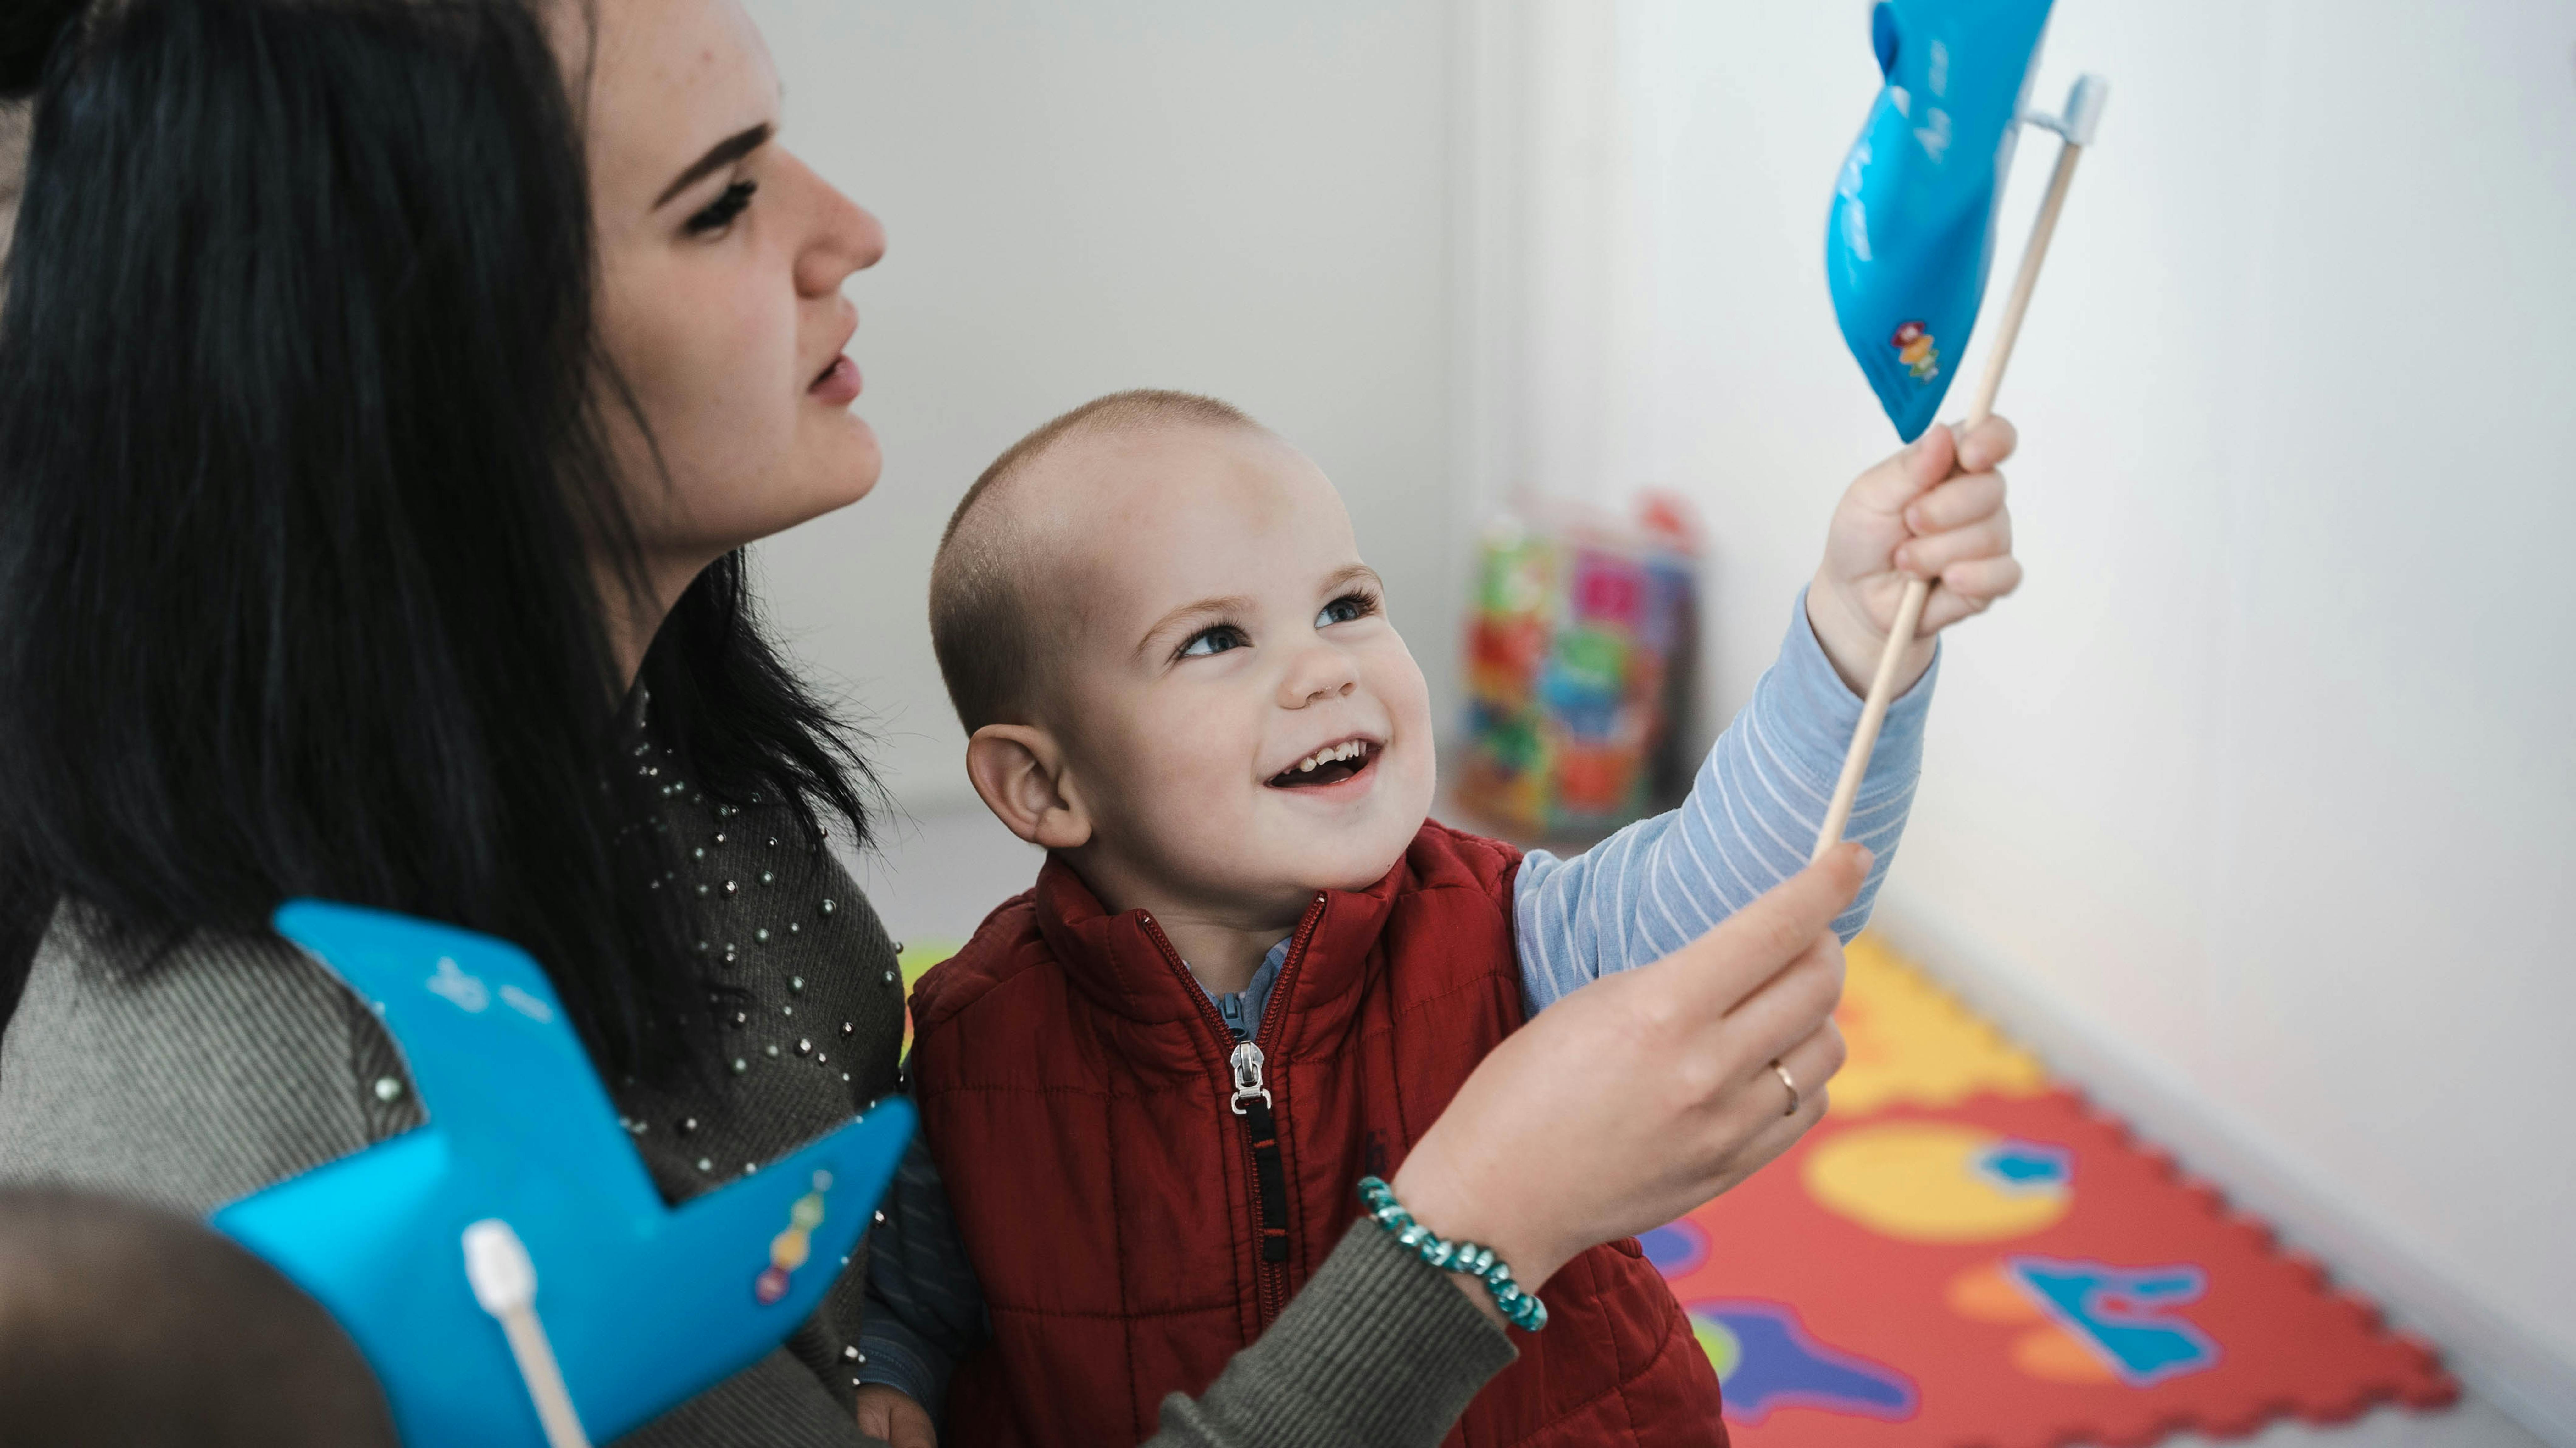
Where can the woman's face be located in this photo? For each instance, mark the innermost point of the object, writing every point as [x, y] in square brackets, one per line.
[721, 261]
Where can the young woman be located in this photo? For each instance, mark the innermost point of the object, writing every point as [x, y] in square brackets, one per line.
[387, 390]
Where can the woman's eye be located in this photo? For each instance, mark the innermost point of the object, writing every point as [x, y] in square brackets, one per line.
[1346, 609]
[720, 213]
[1215, 640]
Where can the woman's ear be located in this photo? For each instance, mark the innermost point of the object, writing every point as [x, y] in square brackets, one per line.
[1019, 771]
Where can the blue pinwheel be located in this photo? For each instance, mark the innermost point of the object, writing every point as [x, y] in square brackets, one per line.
[524, 1167]
[1911, 237]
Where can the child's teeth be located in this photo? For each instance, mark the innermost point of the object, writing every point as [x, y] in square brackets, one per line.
[1332, 754]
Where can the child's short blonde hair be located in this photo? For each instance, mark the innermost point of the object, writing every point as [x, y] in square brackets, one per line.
[988, 634]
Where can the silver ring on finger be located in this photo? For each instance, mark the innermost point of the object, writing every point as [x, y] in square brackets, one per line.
[1783, 1073]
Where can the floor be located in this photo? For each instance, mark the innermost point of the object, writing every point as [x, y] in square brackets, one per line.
[2472, 1424]
[933, 877]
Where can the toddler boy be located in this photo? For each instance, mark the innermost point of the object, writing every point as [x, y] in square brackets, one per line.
[1252, 971]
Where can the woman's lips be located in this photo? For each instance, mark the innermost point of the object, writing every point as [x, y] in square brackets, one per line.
[839, 385]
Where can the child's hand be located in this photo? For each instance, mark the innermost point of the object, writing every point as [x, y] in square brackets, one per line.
[892, 1415]
[1909, 518]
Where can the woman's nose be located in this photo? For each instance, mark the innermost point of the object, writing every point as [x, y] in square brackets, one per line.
[843, 237]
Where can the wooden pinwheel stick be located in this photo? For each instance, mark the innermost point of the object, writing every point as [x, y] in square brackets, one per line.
[2083, 110]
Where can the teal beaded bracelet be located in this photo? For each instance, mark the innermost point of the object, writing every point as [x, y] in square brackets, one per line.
[1521, 1309]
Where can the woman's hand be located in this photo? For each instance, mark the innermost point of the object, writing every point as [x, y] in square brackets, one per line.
[1644, 1094]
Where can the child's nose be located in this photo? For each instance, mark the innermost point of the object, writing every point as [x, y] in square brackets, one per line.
[1318, 673]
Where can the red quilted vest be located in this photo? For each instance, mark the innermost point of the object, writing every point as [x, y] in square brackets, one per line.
[1076, 1089]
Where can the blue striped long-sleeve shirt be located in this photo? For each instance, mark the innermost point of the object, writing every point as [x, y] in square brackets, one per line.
[1749, 823]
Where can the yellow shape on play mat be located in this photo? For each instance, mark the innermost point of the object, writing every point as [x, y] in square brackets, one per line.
[1912, 1044]
[1928, 1181]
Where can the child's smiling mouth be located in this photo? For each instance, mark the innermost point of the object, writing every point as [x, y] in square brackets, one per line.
[1332, 764]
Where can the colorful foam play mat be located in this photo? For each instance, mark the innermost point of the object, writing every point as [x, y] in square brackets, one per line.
[1964, 1253]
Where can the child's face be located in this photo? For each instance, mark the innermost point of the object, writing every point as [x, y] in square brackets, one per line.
[1221, 633]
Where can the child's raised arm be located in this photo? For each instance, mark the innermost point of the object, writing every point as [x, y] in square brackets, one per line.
[1759, 798]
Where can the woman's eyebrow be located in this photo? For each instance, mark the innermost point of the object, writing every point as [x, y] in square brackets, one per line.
[722, 154]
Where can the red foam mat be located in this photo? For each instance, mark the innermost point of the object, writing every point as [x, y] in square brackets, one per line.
[2014, 1272]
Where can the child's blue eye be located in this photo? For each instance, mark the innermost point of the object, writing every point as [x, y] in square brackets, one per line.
[1348, 608]
[1215, 640]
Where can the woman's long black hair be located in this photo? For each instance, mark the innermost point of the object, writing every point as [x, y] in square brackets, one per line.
[298, 456]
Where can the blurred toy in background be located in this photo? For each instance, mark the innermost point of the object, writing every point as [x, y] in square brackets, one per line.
[1579, 652]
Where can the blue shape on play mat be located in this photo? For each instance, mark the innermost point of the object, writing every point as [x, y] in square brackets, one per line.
[646, 1304]
[1910, 237]
[1780, 1365]
[1676, 1249]
[2026, 1167]
[2119, 1311]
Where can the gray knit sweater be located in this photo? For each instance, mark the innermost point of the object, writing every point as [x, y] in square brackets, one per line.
[233, 1062]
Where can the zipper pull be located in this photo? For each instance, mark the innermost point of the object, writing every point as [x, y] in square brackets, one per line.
[1247, 1062]
[1270, 1175]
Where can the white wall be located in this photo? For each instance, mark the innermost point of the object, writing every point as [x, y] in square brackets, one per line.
[1246, 200]
[2264, 781]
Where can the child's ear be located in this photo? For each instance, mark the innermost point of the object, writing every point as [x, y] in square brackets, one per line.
[1019, 770]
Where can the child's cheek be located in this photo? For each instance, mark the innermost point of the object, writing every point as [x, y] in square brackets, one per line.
[1398, 680]
[1192, 775]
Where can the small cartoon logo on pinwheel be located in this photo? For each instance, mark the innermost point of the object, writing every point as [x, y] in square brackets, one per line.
[1917, 350]
[788, 1250]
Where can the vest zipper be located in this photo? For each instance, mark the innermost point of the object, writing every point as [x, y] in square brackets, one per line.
[1249, 1098]
[1252, 1103]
